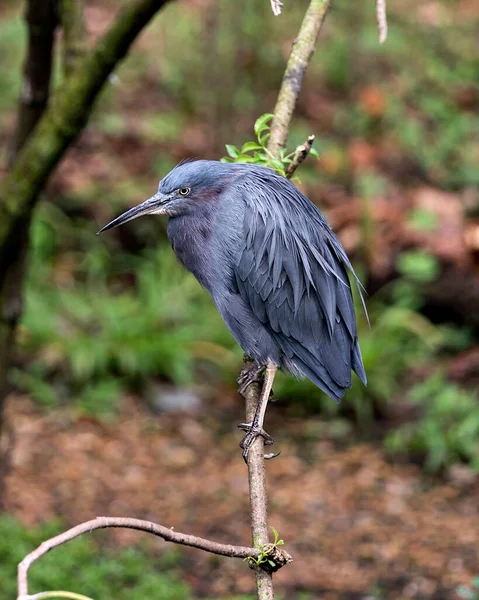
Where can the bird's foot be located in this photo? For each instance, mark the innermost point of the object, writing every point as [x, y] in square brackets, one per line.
[250, 374]
[252, 432]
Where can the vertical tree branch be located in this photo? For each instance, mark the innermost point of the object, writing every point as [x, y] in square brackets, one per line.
[42, 138]
[41, 21]
[75, 43]
[299, 59]
[257, 494]
[290, 88]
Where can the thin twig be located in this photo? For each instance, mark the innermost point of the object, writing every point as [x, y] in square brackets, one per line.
[167, 534]
[382, 20]
[300, 154]
[56, 594]
[298, 61]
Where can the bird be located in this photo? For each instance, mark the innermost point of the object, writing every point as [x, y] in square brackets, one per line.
[276, 271]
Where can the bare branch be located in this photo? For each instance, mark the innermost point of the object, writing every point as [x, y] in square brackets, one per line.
[300, 154]
[276, 6]
[257, 494]
[382, 20]
[167, 534]
[75, 43]
[298, 61]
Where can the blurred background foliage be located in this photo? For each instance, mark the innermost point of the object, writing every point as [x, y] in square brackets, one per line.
[107, 315]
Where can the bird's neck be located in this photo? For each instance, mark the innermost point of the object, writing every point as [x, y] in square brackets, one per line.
[189, 236]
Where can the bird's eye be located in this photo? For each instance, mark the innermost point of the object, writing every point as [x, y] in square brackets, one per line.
[184, 191]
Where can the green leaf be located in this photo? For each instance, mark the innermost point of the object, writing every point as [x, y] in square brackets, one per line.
[232, 150]
[314, 153]
[275, 533]
[244, 158]
[250, 146]
[262, 123]
[264, 138]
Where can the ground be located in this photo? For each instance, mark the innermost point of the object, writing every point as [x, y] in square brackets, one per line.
[356, 524]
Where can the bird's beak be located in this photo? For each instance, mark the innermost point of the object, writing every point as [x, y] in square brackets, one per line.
[154, 205]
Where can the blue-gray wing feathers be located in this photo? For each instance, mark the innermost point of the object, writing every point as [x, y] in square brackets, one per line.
[292, 271]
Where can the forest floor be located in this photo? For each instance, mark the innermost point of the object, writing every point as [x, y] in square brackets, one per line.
[357, 525]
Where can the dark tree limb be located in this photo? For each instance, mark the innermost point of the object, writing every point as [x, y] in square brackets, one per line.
[43, 136]
[298, 61]
[65, 118]
[75, 42]
[167, 534]
[41, 22]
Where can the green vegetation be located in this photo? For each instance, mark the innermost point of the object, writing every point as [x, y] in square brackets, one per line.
[266, 550]
[257, 152]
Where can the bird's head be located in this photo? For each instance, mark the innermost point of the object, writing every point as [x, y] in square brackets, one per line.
[188, 187]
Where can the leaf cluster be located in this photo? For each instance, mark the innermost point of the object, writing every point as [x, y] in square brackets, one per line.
[265, 551]
[257, 153]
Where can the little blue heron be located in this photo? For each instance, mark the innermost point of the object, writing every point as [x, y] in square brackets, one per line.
[275, 269]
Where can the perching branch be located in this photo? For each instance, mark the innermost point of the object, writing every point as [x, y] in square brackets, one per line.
[75, 42]
[283, 112]
[167, 534]
[303, 48]
[382, 20]
[300, 154]
[257, 493]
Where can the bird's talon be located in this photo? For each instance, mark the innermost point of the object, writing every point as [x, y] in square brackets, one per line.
[249, 375]
[254, 432]
[271, 455]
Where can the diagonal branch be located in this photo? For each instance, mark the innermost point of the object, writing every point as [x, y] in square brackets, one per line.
[63, 121]
[300, 155]
[298, 61]
[167, 534]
